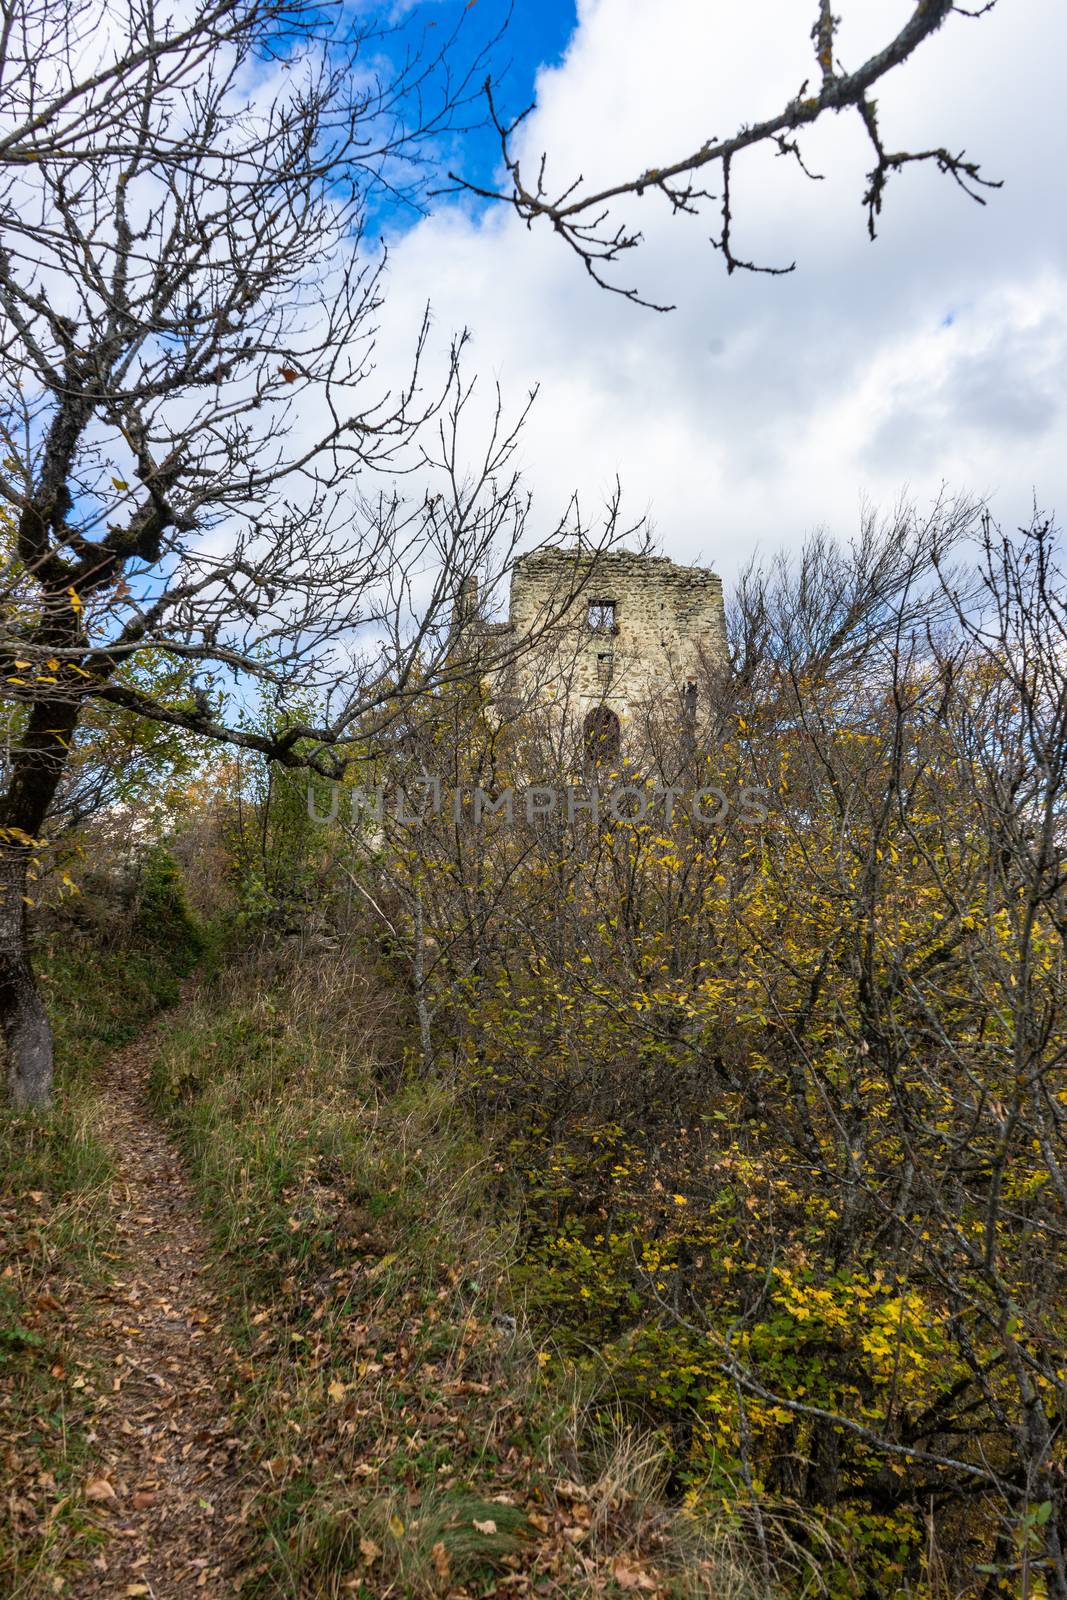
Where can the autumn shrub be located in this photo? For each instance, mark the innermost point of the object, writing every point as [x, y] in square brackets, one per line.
[716, 1197]
[270, 853]
[162, 911]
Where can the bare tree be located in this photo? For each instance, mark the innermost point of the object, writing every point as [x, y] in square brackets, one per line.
[585, 217]
[191, 400]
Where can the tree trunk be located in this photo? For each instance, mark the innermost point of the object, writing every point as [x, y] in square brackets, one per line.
[36, 772]
[25, 1026]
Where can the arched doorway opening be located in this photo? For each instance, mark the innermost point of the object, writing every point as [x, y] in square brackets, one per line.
[602, 736]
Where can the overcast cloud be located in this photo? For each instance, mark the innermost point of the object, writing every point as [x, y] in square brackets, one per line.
[762, 407]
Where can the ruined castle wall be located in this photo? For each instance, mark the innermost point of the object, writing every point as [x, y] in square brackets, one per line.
[656, 620]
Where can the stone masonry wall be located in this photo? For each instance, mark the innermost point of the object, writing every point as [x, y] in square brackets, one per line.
[636, 626]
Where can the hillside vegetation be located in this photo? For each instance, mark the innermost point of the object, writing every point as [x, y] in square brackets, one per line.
[669, 1205]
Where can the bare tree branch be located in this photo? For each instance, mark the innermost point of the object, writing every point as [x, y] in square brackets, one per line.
[584, 219]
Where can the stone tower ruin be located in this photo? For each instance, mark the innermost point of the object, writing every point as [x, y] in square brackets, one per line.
[615, 631]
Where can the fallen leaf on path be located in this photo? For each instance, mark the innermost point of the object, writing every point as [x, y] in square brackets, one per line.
[631, 1577]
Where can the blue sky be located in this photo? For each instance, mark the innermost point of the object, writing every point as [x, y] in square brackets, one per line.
[536, 36]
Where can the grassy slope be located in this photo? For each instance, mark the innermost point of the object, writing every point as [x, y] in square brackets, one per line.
[407, 1439]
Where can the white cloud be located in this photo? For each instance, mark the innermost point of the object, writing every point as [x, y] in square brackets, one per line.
[762, 407]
